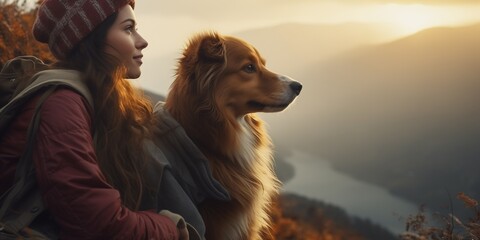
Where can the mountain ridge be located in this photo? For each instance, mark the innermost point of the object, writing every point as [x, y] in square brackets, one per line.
[410, 103]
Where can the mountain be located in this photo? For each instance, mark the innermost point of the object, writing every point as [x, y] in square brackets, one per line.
[288, 48]
[402, 115]
[291, 47]
[298, 217]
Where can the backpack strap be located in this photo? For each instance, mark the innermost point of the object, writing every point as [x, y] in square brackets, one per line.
[24, 194]
[59, 77]
[70, 78]
[22, 203]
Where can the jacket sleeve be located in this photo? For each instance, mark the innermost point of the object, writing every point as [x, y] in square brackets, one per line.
[74, 189]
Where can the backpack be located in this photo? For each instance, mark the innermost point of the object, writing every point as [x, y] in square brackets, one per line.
[22, 203]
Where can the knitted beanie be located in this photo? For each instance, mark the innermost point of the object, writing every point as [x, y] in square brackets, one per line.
[64, 23]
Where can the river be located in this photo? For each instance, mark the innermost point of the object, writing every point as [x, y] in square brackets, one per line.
[315, 178]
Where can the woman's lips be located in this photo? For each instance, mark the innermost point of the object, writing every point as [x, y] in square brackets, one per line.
[138, 59]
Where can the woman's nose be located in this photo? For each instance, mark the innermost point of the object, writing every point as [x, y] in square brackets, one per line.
[141, 42]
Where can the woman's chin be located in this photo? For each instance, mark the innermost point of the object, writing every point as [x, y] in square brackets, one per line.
[133, 75]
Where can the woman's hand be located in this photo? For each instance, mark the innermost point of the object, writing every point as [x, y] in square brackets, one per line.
[179, 221]
[182, 229]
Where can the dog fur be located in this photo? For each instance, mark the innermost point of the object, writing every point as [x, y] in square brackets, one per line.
[221, 82]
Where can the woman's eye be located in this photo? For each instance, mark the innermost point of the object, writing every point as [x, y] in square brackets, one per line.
[250, 68]
[129, 29]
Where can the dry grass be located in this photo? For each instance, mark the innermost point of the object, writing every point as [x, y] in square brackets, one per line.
[450, 228]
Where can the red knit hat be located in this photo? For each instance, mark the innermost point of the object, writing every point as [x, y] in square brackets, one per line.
[63, 23]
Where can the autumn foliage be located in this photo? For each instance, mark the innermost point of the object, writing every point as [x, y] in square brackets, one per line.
[296, 217]
[16, 37]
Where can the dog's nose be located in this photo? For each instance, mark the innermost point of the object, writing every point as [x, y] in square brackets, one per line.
[296, 87]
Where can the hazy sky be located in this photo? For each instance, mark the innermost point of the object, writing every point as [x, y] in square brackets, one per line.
[181, 18]
[168, 24]
[407, 15]
[171, 21]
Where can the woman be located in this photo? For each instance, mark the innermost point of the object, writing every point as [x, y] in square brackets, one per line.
[89, 162]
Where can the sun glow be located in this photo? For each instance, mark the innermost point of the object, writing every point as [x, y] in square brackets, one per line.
[413, 17]
[402, 18]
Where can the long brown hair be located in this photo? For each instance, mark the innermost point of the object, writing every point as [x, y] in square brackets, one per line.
[122, 115]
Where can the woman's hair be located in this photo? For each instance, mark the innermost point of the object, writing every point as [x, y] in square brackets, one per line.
[122, 115]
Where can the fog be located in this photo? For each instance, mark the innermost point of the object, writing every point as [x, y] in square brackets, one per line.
[401, 115]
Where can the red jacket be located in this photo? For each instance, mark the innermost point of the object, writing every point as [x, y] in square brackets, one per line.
[73, 188]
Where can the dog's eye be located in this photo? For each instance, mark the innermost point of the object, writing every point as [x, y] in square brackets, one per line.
[250, 68]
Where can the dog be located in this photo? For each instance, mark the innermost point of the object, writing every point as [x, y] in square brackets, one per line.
[220, 83]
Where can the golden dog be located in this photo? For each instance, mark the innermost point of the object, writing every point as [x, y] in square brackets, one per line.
[221, 82]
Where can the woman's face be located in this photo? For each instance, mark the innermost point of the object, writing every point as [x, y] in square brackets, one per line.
[124, 42]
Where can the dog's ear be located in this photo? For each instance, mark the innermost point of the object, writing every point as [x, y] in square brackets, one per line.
[205, 47]
[204, 55]
[212, 48]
